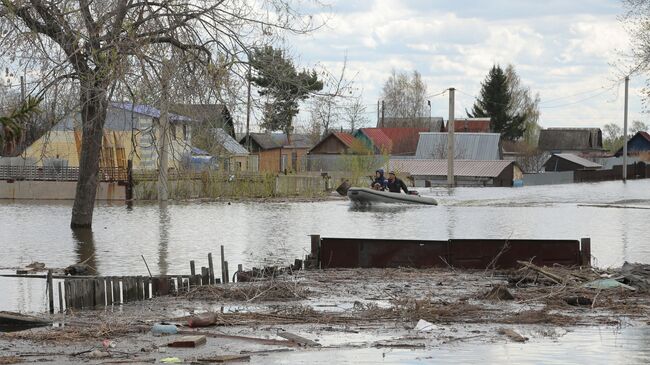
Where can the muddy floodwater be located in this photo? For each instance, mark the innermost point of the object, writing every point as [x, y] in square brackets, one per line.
[614, 215]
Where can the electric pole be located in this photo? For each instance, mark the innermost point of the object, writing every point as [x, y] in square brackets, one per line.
[383, 107]
[23, 89]
[627, 84]
[450, 139]
[378, 108]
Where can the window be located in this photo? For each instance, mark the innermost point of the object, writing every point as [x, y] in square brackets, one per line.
[185, 132]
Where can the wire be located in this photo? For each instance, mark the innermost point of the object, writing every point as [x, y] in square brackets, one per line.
[581, 100]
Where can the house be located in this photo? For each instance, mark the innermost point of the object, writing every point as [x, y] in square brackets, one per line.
[467, 146]
[431, 124]
[639, 143]
[470, 125]
[581, 141]
[233, 156]
[277, 153]
[433, 172]
[209, 115]
[569, 162]
[131, 131]
[393, 141]
[337, 143]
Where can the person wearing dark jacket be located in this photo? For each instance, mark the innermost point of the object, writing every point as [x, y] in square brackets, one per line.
[395, 185]
[379, 183]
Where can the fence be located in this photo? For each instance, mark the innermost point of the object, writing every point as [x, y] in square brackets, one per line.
[54, 173]
[637, 170]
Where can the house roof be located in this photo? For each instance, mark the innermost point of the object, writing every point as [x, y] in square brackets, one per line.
[228, 143]
[431, 124]
[217, 114]
[378, 138]
[345, 138]
[577, 160]
[438, 167]
[570, 139]
[404, 140]
[148, 111]
[467, 146]
[269, 141]
[471, 125]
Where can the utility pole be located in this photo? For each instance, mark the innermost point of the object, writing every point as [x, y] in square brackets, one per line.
[378, 108]
[248, 112]
[450, 139]
[627, 84]
[163, 156]
[383, 107]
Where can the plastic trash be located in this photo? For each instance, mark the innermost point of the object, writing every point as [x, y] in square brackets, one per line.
[425, 326]
[108, 344]
[171, 360]
[607, 284]
[164, 329]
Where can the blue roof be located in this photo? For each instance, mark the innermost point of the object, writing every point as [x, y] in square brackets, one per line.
[148, 111]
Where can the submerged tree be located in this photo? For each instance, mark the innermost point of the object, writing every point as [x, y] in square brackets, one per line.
[94, 44]
[285, 86]
[494, 102]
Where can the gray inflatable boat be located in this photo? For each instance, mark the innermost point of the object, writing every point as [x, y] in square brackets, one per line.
[367, 196]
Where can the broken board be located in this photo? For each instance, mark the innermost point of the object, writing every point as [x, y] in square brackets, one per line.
[188, 341]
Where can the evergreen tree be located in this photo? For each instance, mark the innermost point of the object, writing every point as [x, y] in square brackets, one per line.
[495, 102]
[278, 79]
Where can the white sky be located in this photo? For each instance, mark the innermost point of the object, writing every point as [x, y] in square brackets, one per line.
[559, 48]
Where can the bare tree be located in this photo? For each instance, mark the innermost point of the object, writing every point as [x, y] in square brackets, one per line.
[405, 96]
[93, 44]
[326, 107]
[355, 113]
[638, 126]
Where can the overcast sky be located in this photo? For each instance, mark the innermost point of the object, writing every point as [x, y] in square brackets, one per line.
[565, 50]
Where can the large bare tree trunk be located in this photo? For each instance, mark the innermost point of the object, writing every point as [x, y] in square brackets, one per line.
[93, 116]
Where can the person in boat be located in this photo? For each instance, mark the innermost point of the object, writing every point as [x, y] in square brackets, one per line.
[396, 185]
[380, 182]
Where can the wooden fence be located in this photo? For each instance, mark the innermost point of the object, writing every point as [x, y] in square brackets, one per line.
[53, 173]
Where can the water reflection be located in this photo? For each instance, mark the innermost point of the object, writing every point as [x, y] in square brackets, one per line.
[85, 247]
[164, 224]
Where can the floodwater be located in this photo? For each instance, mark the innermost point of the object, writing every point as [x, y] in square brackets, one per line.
[256, 233]
[590, 345]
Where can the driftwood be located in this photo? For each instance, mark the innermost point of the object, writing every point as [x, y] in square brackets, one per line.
[555, 278]
[297, 339]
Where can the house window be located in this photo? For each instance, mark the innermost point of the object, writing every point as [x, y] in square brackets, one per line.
[185, 132]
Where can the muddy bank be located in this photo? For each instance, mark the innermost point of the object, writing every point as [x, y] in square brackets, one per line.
[338, 312]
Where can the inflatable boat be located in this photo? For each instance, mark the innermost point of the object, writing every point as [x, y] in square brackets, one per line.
[367, 196]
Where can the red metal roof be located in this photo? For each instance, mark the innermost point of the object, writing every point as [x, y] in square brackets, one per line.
[471, 125]
[345, 138]
[405, 140]
[397, 141]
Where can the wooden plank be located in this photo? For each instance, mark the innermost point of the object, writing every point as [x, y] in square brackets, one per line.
[126, 287]
[188, 341]
[98, 293]
[60, 297]
[225, 358]
[297, 339]
[50, 290]
[179, 284]
[211, 268]
[205, 276]
[140, 280]
[109, 291]
[192, 268]
[147, 288]
[66, 287]
[223, 273]
[116, 290]
[225, 263]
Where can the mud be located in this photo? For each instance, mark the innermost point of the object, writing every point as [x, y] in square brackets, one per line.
[349, 313]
